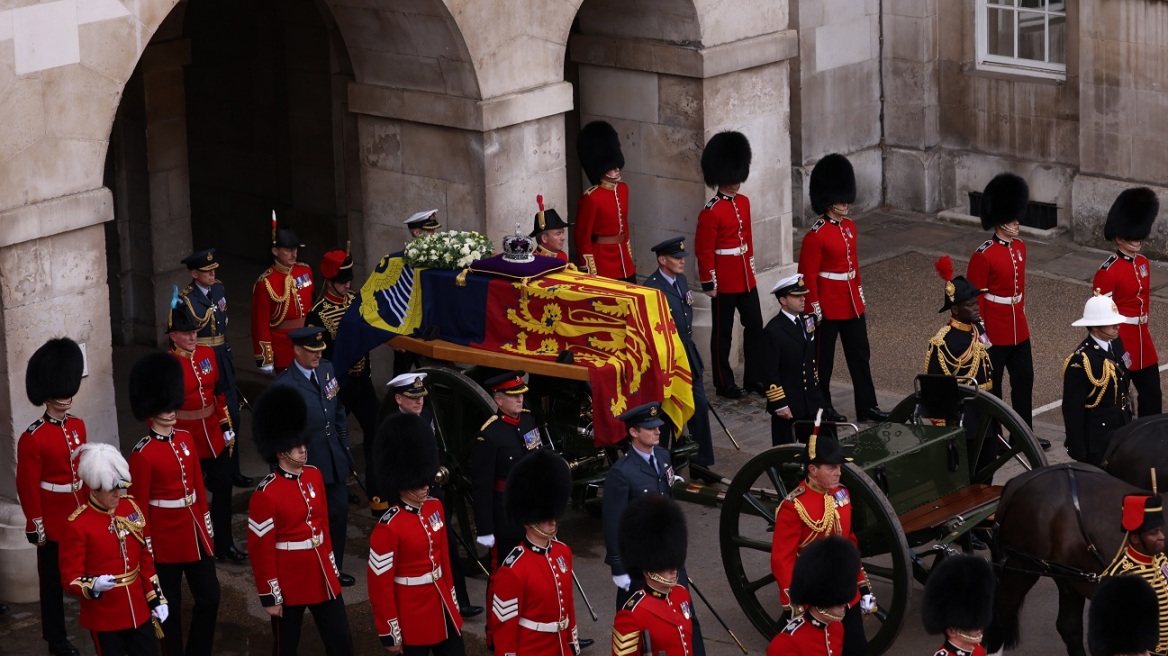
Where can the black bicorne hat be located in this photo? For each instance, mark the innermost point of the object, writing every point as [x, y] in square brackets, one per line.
[823, 449]
[54, 371]
[959, 595]
[538, 488]
[825, 573]
[551, 221]
[726, 159]
[1124, 617]
[279, 422]
[1004, 200]
[156, 385]
[832, 181]
[407, 454]
[1131, 215]
[599, 149]
[653, 534]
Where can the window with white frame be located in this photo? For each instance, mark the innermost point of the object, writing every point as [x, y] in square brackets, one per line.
[1023, 36]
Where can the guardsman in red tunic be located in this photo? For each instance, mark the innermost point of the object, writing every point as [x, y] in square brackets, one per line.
[602, 215]
[725, 250]
[1127, 278]
[533, 610]
[657, 619]
[1124, 618]
[280, 300]
[204, 417]
[288, 533]
[550, 233]
[410, 584]
[106, 563]
[822, 582]
[959, 604]
[46, 476]
[168, 485]
[829, 261]
[999, 267]
[817, 508]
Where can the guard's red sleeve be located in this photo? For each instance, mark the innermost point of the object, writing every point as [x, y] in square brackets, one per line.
[382, 548]
[585, 217]
[784, 548]
[810, 256]
[28, 486]
[261, 547]
[978, 275]
[506, 590]
[705, 241]
[261, 330]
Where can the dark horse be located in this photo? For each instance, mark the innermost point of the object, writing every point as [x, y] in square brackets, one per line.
[1042, 534]
[1136, 448]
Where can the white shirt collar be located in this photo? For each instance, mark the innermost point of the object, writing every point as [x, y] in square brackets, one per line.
[1106, 346]
[790, 316]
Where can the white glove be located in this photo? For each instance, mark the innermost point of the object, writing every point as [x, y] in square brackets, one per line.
[818, 312]
[228, 437]
[868, 603]
[623, 581]
[268, 368]
[487, 541]
[103, 583]
[161, 612]
[677, 479]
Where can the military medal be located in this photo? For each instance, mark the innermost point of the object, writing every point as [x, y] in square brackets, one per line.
[685, 612]
[311, 491]
[561, 564]
[222, 305]
[205, 366]
[330, 386]
[531, 440]
[809, 324]
[841, 498]
[669, 474]
[1127, 361]
[435, 521]
[688, 297]
[186, 452]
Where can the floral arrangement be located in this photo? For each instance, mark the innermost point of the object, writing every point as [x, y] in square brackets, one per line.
[453, 249]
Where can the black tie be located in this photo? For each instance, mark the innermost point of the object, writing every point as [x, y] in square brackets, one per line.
[680, 291]
[653, 464]
[315, 382]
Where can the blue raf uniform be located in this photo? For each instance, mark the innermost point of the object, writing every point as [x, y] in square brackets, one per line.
[328, 428]
[680, 299]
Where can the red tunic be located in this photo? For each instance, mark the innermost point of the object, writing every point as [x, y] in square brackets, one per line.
[603, 211]
[792, 532]
[280, 300]
[725, 245]
[667, 618]
[1128, 281]
[829, 262]
[44, 458]
[560, 255]
[533, 588]
[288, 540]
[948, 649]
[168, 483]
[410, 581]
[97, 542]
[999, 267]
[807, 636]
[203, 413]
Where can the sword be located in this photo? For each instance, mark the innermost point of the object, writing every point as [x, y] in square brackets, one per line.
[694, 586]
[585, 596]
[723, 425]
[472, 552]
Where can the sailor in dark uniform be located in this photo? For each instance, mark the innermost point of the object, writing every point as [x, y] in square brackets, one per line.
[789, 371]
[206, 300]
[670, 279]
[645, 469]
[1095, 383]
[959, 603]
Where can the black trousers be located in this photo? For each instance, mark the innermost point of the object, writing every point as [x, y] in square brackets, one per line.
[1147, 384]
[52, 596]
[622, 596]
[217, 478]
[1019, 361]
[452, 646]
[855, 642]
[853, 333]
[204, 585]
[403, 361]
[337, 498]
[128, 642]
[331, 621]
[699, 425]
[750, 314]
[360, 401]
[231, 391]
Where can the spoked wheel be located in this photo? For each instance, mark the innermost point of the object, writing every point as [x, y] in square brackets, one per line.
[460, 408]
[747, 528]
[998, 427]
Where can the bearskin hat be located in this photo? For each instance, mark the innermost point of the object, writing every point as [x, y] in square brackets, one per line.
[54, 371]
[1123, 618]
[156, 385]
[1004, 200]
[959, 594]
[538, 488]
[1131, 215]
[102, 467]
[726, 159]
[599, 149]
[406, 453]
[279, 421]
[825, 573]
[653, 534]
[832, 181]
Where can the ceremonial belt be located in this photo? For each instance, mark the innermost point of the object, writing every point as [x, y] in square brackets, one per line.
[500, 484]
[217, 340]
[61, 487]
[122, 580]
[618, 238]
[185, 502]
[842, 275]
[290, 324]
[1004, 300]
[300, 545]
[432, 577]
[202, 413]
[544, 627]
[1136, 321]
[741, 250]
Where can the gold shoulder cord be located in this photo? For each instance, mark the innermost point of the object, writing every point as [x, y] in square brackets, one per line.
[826, 525]
[281, 300]
[968, 363]
[1101, 383]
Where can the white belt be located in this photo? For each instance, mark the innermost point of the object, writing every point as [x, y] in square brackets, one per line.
[832, 275]
[185, 502]
[1004, 300]
[544, 627]
[299, 545]
[60, 487]
[741, 250]
[1136, 321]
[419, 580]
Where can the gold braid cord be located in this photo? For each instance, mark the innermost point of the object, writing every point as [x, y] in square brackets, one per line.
[826, 525]
[966, 364]
[1102, 383]
[281, 300]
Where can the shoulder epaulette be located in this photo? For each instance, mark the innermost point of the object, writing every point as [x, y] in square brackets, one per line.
[525, 410]
[35, 425]
[712, 202]
[939, 338]
[141, 444]
[986, 244]
[264, 483]
[1106, 265]
[513, 556]
[389, 515]
[1067, 362]
[185, 290]
[591, 189]
[489, 422]
[634, 600]
[80, 509]
[817, 225]
[799, 489]
[794, 624]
